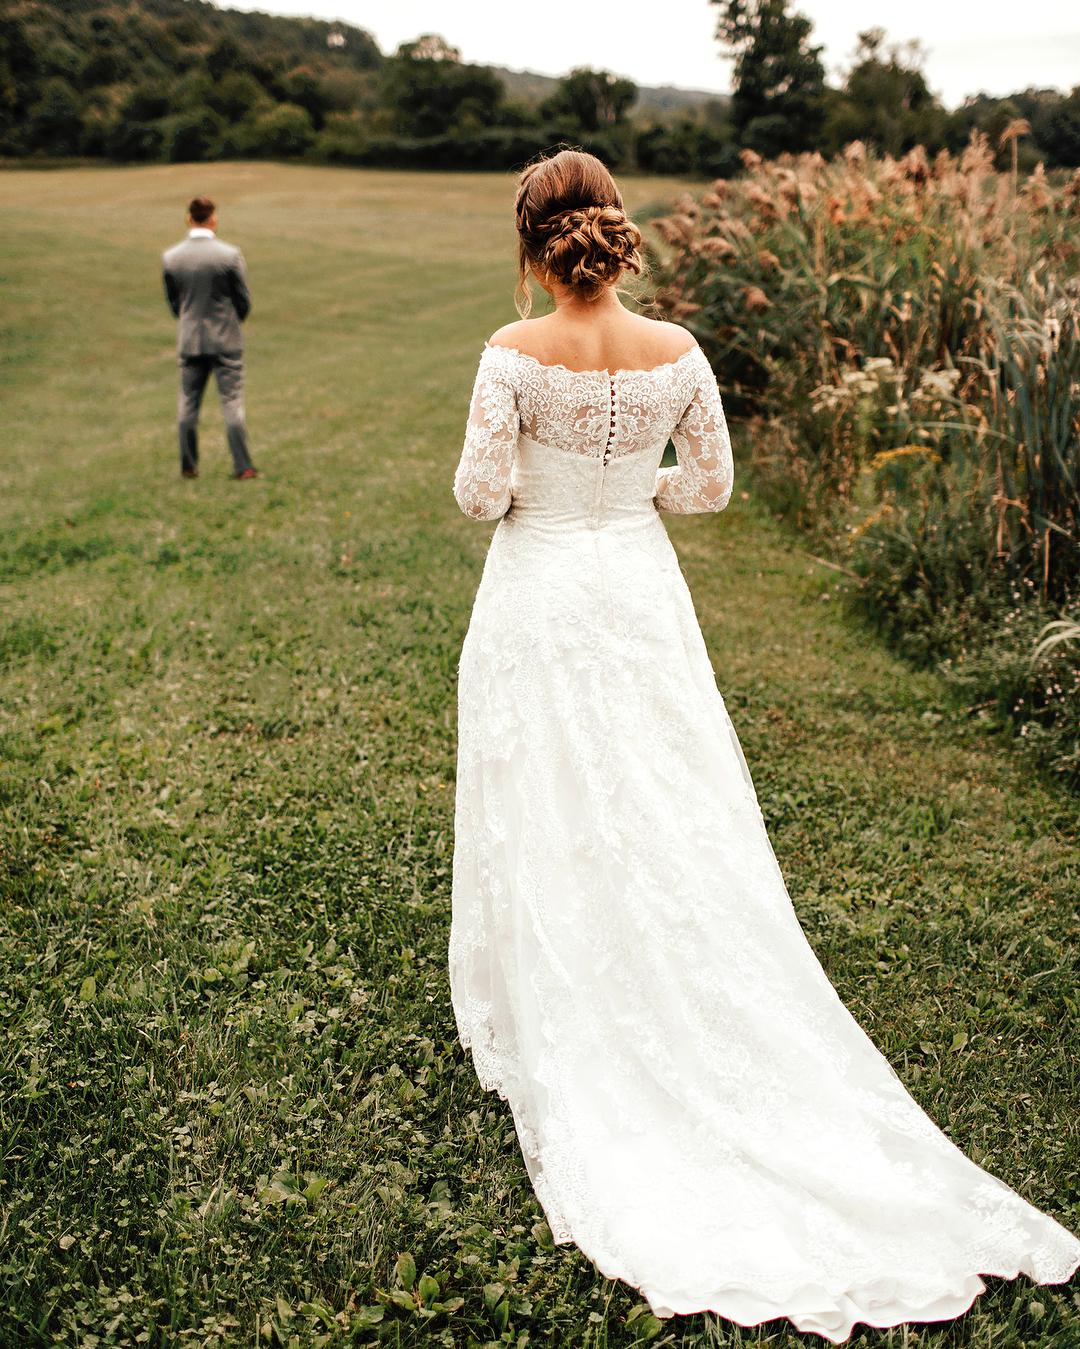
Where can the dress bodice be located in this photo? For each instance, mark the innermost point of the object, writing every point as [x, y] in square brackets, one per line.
[554, 445]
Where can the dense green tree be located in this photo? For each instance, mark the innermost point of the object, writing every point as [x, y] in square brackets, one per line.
[343, 139]
[1053, 118]
[128, 139]
[194, 89]
[304, 88]
[1057, 129]
[225, 57]
[716, 113]
[429, 95]
[347, 90]
[594, 100]
[185, 28]
[885, 100]
[137, 133]
[146, 103]
[19, 72]
[195, 136]
[778, 98]
[687, 147]
[108, 58]
[56, 123]
[58, 55]
[236, 95]
[514, 114]
[283, 131]
[1001, 113]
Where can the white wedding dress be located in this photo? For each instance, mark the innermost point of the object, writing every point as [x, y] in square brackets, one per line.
[697, 1109]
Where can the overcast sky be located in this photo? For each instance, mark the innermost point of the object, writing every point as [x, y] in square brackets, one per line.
[990, 46]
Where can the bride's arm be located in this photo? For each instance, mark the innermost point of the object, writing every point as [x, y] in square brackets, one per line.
[703, 479]
[482, 480]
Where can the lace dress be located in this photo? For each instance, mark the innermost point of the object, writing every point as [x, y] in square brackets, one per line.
[697, 1109]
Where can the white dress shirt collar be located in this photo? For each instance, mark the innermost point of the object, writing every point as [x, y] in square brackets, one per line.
[200, 233]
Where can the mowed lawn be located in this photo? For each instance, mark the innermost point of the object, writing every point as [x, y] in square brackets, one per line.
[232, 1105]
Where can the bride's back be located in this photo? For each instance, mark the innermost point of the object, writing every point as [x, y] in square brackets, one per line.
[603, 337]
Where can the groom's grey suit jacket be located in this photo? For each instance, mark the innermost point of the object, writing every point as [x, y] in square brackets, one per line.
[207, 289]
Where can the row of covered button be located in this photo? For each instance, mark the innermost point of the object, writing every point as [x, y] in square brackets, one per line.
[611, 424]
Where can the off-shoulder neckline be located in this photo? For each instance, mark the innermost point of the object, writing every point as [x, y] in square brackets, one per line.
[610, 374]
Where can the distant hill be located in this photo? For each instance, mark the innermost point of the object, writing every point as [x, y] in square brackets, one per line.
[95, 42]
[653, 101]
[145, 79]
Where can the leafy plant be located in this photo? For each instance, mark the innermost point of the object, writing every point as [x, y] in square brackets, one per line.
[904, 335]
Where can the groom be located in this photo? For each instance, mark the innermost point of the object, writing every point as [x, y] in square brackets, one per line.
[207, 290]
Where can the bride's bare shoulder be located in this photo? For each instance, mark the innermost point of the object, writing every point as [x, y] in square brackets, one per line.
[519, 335]
[671, 340]
[632, 341]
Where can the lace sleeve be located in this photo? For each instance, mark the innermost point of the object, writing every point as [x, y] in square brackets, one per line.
[703, 479]
[482, 480]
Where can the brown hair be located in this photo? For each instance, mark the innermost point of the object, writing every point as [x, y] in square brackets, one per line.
[572, 227]
[201, 209]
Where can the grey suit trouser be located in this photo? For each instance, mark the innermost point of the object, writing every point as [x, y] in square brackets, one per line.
[195, 372]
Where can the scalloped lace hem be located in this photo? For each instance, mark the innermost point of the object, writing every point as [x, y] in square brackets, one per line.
[811, 1308]
[818, 1310]
[834, 1315]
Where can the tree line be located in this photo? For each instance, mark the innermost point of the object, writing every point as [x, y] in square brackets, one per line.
[181, 80]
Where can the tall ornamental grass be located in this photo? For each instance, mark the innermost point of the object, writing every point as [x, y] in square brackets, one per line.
[904, 335]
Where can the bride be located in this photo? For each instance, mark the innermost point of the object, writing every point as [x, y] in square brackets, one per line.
[697, 1109]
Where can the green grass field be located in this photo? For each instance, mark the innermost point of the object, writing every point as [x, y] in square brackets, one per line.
[232, 1106]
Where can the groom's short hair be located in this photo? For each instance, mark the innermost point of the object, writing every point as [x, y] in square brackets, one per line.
[201, 209]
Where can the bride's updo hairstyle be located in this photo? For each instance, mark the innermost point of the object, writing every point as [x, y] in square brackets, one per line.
[572, 228]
